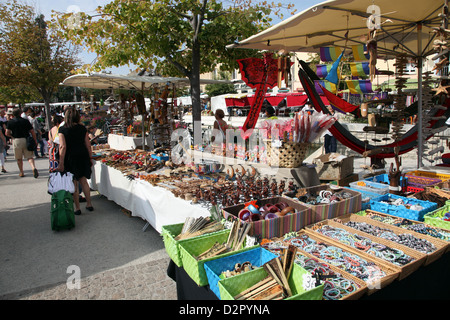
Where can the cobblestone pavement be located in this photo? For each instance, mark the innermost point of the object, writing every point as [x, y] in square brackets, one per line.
[145, 281]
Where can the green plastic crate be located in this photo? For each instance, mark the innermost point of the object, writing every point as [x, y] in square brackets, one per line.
[231, 287]
[434, 218]
[196, 246]
[169, 233]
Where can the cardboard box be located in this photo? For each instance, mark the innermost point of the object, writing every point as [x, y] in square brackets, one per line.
[333, 166]
[345, 182]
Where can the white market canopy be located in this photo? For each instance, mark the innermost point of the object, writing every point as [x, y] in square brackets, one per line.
[129, 82]
[327, 23]
[403, 26]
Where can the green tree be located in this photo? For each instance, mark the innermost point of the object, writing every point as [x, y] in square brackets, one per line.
[217, 89]
[174, 37]
[31, 54]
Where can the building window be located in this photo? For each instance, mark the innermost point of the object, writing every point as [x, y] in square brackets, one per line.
[410, 68]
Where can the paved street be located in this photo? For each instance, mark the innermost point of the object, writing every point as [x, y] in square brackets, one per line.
[116, 259]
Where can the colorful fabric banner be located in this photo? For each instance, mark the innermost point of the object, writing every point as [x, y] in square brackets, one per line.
[330, 54]
[333, 74]
[260, 74]
[339, 104]
[359, 86]
[326, 84]
[358, 53]
[359, 69]
[322, 70]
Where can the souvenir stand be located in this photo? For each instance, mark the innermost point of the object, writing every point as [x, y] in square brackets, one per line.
[319, 242]
[120, 162]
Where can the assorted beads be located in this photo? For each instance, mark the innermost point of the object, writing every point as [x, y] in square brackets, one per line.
[335, 286]
[406, 239]
[416, 227]
[324, 197]
[378, 250]
[367, 271]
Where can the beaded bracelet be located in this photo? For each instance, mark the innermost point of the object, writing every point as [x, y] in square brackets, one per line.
[336, 286]
[392, 255]
[417, 227]
[349, 262]
[406, 239]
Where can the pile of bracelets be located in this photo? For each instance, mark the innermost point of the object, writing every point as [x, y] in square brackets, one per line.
[356, 241]
[324, 197]
[416, 227]
[335, 286]
[367, 271]
[406, 239]
[276, 247]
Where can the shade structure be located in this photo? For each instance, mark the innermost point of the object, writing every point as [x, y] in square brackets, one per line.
[129, 82]
[332, 23]
[402, 26]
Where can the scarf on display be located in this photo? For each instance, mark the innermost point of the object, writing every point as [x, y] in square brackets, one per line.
[259, 74]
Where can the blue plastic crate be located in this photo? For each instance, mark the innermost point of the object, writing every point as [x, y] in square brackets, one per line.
[366, 197]
[384, 178]
[164, 157]
[257, 257]
[373, 187]
[401, 211]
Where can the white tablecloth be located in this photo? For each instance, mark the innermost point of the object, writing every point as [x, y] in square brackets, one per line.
[124, 143]
[155, 205]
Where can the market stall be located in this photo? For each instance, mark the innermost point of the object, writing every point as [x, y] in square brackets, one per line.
[121, 142]
[319, 242]
[155, 205]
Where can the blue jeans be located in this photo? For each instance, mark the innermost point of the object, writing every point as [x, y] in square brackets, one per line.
[41, 144]
[330, 144]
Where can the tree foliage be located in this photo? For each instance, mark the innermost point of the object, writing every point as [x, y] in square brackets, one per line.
[174, 37]
[31, 55]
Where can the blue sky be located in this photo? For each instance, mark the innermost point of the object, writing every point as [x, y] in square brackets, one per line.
[46, 6]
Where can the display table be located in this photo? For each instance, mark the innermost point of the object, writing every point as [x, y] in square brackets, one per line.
[430, 282]
[156, 205]
[124, 143]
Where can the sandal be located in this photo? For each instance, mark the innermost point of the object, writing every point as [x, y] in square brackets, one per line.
[78, 212]
[36, 173]
[21, 175]
[90, 208]
[3, 170]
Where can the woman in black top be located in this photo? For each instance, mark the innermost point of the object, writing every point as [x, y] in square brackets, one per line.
[75, 155]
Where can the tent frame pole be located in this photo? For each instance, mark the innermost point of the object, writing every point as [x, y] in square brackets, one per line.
[419, 97]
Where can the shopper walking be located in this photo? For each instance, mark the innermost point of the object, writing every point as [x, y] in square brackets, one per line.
[19, 129]
[75, 155]
[2, 150]
[38, 129]
[53, 143]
